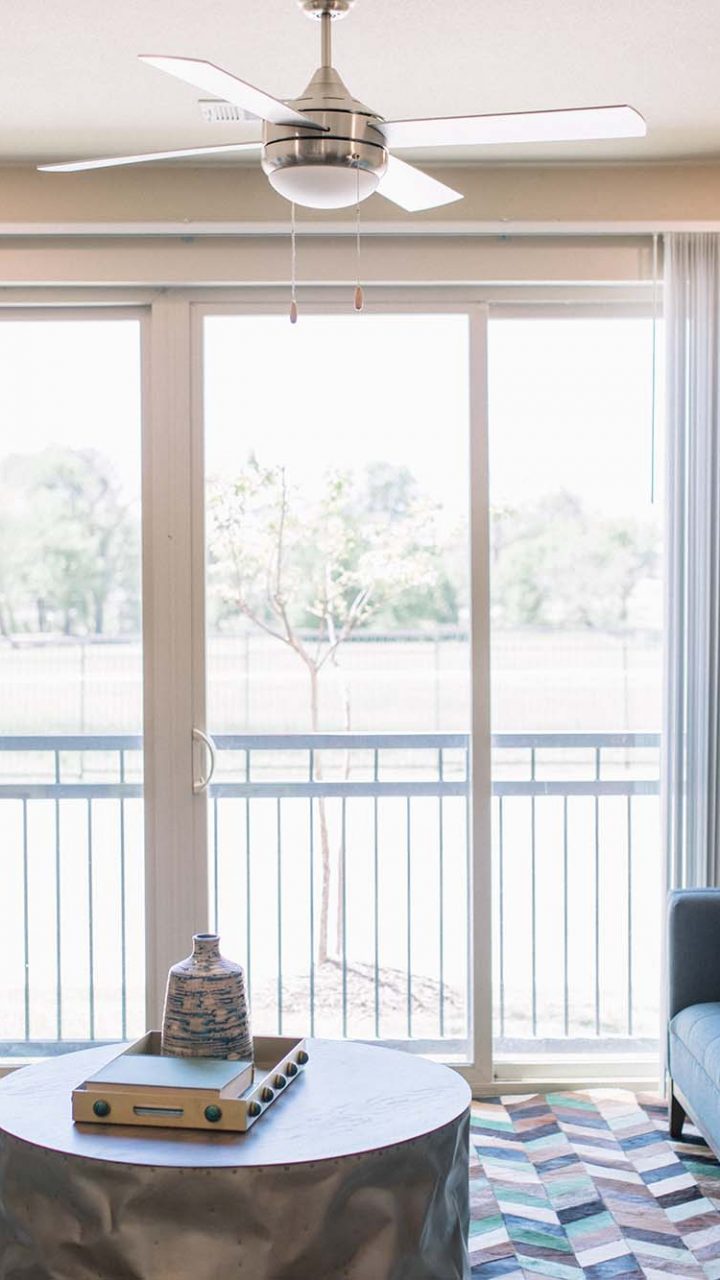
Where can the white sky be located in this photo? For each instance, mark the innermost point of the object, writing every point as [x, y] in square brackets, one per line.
[569, 399]
[571, 408]
[341, 392]
[74, 383]
[570, 402]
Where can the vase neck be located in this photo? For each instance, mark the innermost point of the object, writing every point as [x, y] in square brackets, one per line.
[206, 946]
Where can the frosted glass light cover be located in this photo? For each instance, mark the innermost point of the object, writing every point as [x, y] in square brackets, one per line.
[323, 186]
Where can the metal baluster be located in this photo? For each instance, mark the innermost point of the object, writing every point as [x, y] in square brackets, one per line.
[597, 896]
[26, 919]
[248, 885]
[566, 918]
[376, 904]
[123, 911]
[409, 918]
[501, 922]
[279, 920]
[533, 907]
[629, 916]
[343, 855]
[58, 906]
[91, 922]
[441, 900]
[469, 976]
[311, 770]
[216, 891]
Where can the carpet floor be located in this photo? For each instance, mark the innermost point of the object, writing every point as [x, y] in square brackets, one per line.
[590, 1184]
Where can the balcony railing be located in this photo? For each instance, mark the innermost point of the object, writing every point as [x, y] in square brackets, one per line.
[340, 872]
[71, 907]
[576, 888]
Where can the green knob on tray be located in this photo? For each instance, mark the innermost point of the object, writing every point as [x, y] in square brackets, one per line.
[101, 1107]
[213, 1114]
[267, 1095]
[254, 1109]
[303, 1057]
[291, 1069]
[279, 1081]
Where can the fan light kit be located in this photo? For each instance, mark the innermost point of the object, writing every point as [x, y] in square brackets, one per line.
[326, 150]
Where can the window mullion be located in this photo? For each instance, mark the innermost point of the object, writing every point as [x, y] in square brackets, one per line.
[175, 818]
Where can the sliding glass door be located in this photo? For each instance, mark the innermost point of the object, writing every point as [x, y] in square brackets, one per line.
[576, 609]
[338, 612]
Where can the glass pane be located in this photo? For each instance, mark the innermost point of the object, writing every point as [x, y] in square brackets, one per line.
[71, 908]
[338, 669]
[576, 684]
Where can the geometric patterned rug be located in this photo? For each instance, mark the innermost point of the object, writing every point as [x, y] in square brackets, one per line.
[574, 1184]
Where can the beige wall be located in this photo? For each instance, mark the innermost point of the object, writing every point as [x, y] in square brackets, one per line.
[620, 197]
[265, 261]
[225, 226]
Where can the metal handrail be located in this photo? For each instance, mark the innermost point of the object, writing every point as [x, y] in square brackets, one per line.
[360, 739]
[310, 787]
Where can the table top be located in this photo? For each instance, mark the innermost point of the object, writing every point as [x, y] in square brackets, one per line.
[352, 1098]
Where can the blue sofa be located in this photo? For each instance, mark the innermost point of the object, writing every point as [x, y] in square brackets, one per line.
[694, 1011]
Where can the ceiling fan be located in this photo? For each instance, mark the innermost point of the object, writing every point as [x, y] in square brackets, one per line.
[326, 150]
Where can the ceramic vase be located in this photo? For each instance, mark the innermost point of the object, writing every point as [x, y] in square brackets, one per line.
[206, 1011]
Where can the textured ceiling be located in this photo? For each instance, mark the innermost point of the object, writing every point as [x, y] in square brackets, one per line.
[70, 84]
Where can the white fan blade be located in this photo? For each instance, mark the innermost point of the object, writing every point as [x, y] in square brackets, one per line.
[75, 166]
[582, 124]
[221, 84]
[412, 189]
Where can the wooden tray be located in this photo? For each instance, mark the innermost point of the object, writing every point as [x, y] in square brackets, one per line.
[208, 1103]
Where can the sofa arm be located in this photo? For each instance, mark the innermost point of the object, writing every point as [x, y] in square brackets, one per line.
[693, 948]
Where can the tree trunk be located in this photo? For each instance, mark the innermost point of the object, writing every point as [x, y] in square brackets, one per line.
[339, 920]
[323, 942]
[99, 610]
[7, 623]
[625, 671]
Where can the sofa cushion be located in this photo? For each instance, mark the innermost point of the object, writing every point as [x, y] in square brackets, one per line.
[698, 1030]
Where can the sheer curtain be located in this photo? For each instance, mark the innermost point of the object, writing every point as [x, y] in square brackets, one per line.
[691, 728]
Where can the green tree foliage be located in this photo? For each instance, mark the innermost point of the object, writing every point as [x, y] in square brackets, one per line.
[366, 548]
[556, 565]
[69, 544]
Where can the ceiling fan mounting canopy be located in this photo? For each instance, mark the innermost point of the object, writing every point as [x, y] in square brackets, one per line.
[333, 8]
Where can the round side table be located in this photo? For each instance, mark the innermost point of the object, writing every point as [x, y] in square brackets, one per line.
[359, 1172]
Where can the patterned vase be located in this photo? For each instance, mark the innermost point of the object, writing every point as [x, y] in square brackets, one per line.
[206, 1012]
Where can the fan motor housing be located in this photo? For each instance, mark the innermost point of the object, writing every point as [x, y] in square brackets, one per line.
[352, 135]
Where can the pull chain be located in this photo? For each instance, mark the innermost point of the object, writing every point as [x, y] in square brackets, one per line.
[293, 259]
[359, 298]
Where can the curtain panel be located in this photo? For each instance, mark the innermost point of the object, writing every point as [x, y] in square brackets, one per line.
[691, 729]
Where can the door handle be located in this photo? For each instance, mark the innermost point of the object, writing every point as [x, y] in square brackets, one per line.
[202, 783]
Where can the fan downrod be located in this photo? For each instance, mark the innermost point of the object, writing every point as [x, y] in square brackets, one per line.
[320, 8]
